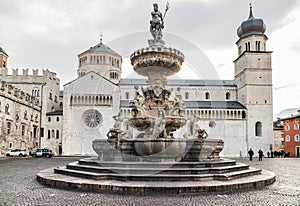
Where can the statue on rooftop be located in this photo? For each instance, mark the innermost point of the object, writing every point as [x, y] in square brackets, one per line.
[157, 25]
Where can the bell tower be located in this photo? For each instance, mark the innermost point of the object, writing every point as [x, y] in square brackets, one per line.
[253, 76]
[3, 58]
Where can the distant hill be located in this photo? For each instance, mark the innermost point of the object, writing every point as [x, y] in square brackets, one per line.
[286, 113]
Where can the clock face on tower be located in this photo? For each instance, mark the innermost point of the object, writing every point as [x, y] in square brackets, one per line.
[92, 118]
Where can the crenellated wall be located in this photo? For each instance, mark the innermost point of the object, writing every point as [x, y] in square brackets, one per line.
[26, 75]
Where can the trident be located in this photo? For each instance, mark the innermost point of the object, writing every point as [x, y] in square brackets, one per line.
[167, 8]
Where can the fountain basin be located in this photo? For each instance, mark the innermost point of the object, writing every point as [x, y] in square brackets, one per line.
[157, 62]
[161, 148]
[106, 149]
[142, 123]
[174, 123]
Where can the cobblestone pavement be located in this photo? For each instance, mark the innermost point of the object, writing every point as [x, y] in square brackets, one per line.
[18, 186]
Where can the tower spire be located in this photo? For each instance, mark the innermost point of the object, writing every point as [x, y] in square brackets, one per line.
[251, 13]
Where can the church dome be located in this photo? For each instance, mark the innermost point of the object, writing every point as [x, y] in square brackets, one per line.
[101, 48]
[102, 60]
[251, 26]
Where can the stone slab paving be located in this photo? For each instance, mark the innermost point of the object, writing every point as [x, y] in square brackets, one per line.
[18, 186]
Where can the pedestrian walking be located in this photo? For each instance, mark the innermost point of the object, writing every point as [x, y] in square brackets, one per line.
[251, 153]
[260, 155]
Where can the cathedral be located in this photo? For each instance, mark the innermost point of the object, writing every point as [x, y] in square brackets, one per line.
[239, 111]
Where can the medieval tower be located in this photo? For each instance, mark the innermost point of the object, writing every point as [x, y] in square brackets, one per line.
[253, 76]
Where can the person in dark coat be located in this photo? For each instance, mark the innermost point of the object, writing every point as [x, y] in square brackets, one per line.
[260, 155]
[251, 153]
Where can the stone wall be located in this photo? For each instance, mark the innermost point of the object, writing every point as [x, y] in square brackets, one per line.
[19, 119]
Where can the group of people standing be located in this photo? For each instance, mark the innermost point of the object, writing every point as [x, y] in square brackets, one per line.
[251, 153]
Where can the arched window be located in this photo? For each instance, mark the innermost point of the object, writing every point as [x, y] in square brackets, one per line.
[7, 109]
[296, 138]
[287, 138]
[126, 95]
[49, 134]
[35, 92]
[49, 119]
[23, 130]
[257, 45]
[8, 127]
[113, 75]
[57, 134]
[52, 134]
[207, 96]
[258, 129]
[247, 46]
[187, 95]
[57, 119]
[244, 115]
[227, 95]
[287, 127]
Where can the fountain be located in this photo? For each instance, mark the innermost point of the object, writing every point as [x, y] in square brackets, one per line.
[154, 160]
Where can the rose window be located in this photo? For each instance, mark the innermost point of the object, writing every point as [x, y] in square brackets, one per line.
[92, 118]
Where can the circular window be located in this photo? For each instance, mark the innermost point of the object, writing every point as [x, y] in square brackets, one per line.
[212, 124]
[92, 118]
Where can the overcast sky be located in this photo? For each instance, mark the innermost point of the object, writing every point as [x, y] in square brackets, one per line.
[49, 34]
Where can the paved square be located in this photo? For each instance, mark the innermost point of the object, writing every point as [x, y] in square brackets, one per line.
[20, 187]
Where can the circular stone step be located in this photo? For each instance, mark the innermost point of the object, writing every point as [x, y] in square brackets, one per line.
[49, 178]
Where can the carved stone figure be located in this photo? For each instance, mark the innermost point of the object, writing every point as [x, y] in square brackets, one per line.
[139, 96]
[177, 107]
[157, 25]
[137, 105]
[200, 133]
[118, 121]
[116, 131]
[160, 123]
